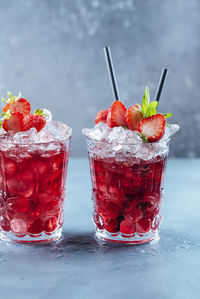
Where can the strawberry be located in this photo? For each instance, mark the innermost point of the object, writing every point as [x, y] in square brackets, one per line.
[152, 128]
[38, 122]
[133, 117]
[20, 105]
[14, 123]
[116, 115]
[101, 116]
[27, 121]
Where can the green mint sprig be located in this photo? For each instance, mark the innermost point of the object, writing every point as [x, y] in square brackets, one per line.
[149, 108]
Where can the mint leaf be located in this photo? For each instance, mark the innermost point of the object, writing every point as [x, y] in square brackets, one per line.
[145, 101]
[151, 108]
[167, 115]
[146, 98]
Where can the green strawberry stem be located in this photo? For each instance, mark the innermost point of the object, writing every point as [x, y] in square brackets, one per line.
[39, 112]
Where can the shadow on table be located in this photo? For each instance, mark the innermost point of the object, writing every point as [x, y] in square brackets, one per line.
[87, 242]
[170, 241]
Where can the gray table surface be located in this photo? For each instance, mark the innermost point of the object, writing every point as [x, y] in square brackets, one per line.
[77, 266]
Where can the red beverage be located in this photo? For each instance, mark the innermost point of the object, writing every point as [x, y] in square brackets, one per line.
[32, 183]
[127, 197]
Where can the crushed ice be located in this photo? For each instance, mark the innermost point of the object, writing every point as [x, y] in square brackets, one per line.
[118, 141]
[53, 131]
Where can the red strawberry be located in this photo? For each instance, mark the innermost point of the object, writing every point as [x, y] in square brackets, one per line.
[20, 105]
[101, 116]
[127, 226]
[27, 121]
[14, 123]
[38, 122]
[116, 115]
[143, 226]
[133, 117]
[152, 128]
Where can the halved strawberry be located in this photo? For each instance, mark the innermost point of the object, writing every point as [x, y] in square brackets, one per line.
[14, 123]
[152, 128]
[20, 105]
[133, 117]
[38, 122]
[116, 115]
[101, 116]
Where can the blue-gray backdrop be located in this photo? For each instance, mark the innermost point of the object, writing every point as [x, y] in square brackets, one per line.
[51, 50]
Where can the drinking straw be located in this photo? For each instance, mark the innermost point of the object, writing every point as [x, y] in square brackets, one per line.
[161, 83]
[111, 72]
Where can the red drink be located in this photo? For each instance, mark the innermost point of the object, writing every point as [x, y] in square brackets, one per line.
[127, 189]
[127, 197]
[32, 183]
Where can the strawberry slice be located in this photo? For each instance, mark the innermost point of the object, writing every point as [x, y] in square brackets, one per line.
[20, 105]
[152, 128]
[133, 117]
[116, 115]
[101, 116]
[14, 123]
[38, 122]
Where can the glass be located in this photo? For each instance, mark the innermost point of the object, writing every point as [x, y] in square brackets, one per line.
[32, 190]
[127, 189]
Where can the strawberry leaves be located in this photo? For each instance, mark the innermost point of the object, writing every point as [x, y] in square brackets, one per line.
[39, 112]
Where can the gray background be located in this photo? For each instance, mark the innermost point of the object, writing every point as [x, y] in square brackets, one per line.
[52, 52]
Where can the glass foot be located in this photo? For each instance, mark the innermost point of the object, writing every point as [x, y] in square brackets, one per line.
[136, 238]
[43, 237]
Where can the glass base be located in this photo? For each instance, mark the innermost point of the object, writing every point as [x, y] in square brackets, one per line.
[31, 238]
[136, 238]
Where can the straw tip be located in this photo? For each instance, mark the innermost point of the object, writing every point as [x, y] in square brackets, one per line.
[106, 49]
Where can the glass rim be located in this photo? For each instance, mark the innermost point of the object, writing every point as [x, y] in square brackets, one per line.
[34, 143]
[165, 140]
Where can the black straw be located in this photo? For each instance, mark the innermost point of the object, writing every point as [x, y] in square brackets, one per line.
[161, 84]
[111, 72]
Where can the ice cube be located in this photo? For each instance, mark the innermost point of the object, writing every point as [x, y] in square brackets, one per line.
[58, 130]
[25, 137]
[145, 152]
[170, 130]
[6, 141]
[44, 136]
[117, 135]
[18, 226]
[2, 132]
[99, 132]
